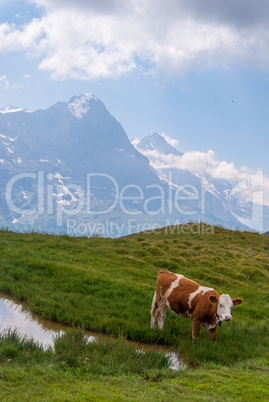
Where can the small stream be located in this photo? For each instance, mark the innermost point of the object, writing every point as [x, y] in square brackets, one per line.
[15, 314]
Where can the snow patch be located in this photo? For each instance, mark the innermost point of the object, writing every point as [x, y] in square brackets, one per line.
[80, 106]
[65, 192]
[58, 176]
[208, 186]
[13, 109]
[135, 141]
[10, 109]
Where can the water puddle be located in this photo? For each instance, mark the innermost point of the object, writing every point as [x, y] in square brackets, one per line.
[15, 314]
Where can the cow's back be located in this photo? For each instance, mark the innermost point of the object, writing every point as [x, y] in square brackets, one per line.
[182, 295]
[164, 282]
[168, 282]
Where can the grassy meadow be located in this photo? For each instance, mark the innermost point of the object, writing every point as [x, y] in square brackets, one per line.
[107, 285]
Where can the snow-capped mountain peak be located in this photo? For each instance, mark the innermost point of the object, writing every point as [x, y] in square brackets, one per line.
[135, 141]
[78, 160]
[155, 142]
[79, 105]
[12, 109]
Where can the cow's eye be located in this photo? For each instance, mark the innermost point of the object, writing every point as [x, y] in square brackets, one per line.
[221, 305]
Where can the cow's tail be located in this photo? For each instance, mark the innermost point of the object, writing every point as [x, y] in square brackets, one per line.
[153, 311]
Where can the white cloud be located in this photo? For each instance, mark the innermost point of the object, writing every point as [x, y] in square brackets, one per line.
[4, 82]
[194, 161]
[170, 140]
[27, 37]
[199, 163]
[206, 164]
[104, 39]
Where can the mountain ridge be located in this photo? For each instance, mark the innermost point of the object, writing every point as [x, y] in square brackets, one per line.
[156, 142]
[74, 162]
[223, 206]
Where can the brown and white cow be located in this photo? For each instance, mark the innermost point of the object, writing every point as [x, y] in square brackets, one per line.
[186, 298]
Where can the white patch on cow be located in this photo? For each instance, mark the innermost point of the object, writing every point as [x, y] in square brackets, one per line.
[203, 289]
[225, 305]
[164, 302]
[173, 285]
[153, 311]
[208, 327]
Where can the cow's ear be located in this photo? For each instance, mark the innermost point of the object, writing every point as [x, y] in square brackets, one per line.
[213, 299]
[237, 301]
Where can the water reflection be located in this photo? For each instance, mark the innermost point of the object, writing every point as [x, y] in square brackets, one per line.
[175, 362]
[17, 315]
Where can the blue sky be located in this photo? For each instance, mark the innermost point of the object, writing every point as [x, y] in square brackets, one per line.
[196, 70]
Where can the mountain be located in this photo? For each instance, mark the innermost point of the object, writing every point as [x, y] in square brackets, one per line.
[213, 194]
[158, 143]
[74, 151]
[76, 137]
[12, 109]
[71, 168]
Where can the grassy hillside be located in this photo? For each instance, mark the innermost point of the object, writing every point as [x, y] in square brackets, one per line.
[107, 285]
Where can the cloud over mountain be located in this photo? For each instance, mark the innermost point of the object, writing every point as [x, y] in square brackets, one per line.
[204, 164]
[73, 164]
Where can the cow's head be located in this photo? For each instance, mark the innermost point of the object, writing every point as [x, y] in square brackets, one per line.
[224, 306]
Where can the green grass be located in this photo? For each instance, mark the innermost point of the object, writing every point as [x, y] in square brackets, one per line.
[77, 370]
[107, 285]
[72, 351]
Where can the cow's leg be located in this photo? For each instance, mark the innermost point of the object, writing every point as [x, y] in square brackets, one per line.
[196, 329]
[154, 311]
[213, 334]
[161, 313]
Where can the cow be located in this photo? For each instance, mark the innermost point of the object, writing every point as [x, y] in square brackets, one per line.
[186, 298]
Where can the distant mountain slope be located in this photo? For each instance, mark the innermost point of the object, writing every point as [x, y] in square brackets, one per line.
[66, 143]
[71, 168]
[75, 137]
[156, 142]
[215, 192]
